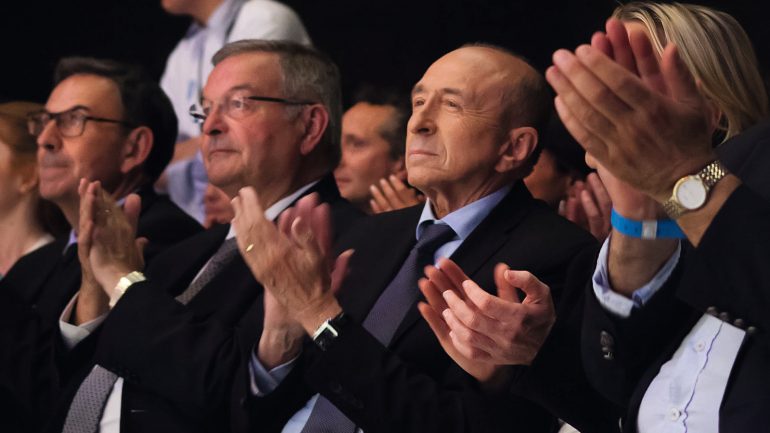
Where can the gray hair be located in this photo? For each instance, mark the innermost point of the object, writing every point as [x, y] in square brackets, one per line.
[307, 74]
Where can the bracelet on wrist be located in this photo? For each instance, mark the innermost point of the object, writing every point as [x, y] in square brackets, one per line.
[646, 229]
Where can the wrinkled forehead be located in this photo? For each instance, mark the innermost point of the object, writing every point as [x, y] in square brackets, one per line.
[254, 71]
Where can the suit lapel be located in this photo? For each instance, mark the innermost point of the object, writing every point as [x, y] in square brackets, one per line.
[490, 235]
[192, 254]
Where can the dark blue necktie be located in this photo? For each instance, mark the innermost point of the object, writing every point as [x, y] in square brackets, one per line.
[385, 317]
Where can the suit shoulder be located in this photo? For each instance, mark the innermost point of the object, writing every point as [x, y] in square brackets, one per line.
[166, 220]
[558, 226]
[380, 226]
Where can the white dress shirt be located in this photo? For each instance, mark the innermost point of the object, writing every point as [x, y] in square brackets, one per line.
[686, 394]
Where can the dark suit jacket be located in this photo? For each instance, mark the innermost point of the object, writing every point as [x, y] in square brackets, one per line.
[412, 385]
[35, 292]
[178, 361]
[711, 279]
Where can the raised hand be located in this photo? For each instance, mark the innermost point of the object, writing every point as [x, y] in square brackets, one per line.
[292, 260]
[648, 130]
[481, 331]
[392, 194]
[107, 236]
[588, 205]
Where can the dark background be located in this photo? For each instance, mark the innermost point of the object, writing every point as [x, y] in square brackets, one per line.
[382, 42]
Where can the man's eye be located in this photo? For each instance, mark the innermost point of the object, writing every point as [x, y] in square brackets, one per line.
[69, 118]
[418, 102]
[452, 104]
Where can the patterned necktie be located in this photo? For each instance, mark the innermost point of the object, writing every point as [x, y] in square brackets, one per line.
[88, 404]
[224, 255]
[384, 318]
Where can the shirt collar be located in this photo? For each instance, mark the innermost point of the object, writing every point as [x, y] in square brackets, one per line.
[464, 220]
[224, 15]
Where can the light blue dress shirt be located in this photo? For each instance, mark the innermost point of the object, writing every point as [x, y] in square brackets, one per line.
[463, 221]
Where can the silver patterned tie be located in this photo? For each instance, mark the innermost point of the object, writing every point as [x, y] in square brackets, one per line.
[88, 404]
[224, 255]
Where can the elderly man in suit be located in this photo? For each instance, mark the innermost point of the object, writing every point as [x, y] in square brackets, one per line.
[179, 332]
[373, 364]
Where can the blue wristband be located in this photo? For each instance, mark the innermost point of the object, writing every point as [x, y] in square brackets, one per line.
[646, 229]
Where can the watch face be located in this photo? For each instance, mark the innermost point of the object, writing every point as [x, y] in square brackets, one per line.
[691, 192]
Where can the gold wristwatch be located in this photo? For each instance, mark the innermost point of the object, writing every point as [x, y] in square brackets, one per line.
[691, 192]
[123, 284]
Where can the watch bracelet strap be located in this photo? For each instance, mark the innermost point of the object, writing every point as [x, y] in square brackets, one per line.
[712, 173]
[124, 283]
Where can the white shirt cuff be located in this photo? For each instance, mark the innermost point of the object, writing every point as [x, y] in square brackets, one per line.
[72, 334]
[618, 304]
[262, 381]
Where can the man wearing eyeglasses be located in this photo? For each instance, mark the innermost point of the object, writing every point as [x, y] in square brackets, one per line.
[177, 333]
[104, 122]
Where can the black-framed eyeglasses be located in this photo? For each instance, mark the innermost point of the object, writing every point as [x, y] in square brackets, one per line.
[238, 106]
[70, 123]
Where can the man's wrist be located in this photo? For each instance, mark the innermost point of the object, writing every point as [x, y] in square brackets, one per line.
[313, 318]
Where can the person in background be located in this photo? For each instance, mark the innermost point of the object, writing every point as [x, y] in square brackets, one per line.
[372, 173]
[215, 23]
[27, 222]
[559, 169]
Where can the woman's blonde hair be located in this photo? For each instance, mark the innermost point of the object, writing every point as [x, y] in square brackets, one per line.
[717, 51]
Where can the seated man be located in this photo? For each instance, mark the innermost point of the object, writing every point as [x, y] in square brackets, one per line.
[103, 122]
[215, 23]
[170, 347]
[373, 133]
[374, 364]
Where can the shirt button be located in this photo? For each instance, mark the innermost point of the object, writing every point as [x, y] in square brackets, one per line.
[699, 346]
[674, 414]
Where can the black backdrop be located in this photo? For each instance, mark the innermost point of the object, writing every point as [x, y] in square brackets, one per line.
[383, 42]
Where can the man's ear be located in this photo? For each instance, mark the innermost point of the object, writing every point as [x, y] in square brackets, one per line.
[136, 148]
[315, 121]
[516, 151]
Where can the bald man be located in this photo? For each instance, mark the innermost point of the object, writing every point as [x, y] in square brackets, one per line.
[375, 364]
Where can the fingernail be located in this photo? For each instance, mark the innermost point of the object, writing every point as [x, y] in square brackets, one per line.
[560, 57]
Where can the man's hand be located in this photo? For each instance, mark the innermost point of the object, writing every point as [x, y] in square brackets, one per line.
[392, 194]
[648, 130]
[292, 261]
[480, 331]
[107, 236]
[589, 205]
[216, 206]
